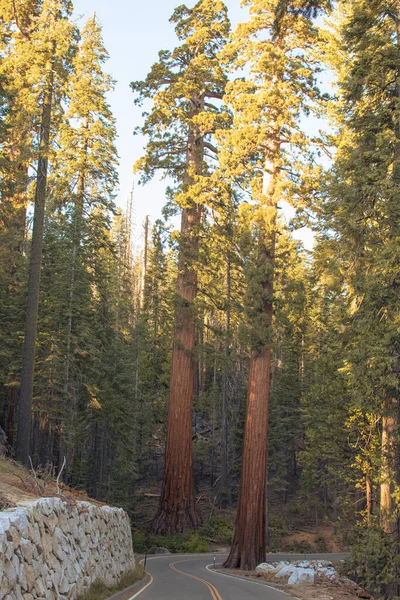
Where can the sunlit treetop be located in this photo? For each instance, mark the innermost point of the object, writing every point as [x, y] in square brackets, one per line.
[185, 86]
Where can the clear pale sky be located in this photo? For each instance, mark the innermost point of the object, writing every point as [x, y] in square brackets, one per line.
[134, 31]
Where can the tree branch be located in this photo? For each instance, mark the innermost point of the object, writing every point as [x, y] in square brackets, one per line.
[210, 147]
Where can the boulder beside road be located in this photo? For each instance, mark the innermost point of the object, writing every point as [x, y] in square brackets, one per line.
[298, 572]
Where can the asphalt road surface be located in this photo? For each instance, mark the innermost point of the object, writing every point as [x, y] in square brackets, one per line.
[185, 577]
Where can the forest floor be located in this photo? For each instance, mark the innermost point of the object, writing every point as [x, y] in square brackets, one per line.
[19, 485]
[291, 530]
[322, 589]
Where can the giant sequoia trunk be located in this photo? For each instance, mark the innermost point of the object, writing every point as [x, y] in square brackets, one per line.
[177, 509]
[248, 547]
[28, 360]
[249, 543]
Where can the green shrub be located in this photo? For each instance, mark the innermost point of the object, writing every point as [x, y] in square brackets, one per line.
[179, 543]
[320, 544]
[374, 562]
[218, 529]
[301, 547]
[277, 529]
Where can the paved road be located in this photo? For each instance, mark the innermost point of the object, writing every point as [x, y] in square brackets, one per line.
[184, 577]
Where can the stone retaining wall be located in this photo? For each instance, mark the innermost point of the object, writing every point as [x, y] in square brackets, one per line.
[52, 550]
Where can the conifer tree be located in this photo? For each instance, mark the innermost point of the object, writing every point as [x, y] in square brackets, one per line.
[364, 211]
[264, 143]
[85, 165]
[49, 47]
[16, 138]
[183, 86]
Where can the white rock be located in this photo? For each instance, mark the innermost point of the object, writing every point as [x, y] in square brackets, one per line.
[40, 587]
[4, 522]
[328, 572]
[29, 577]
[266, 568]
[301, 575]
[4, 586]
[10, 573]
[26, 548]
[303, 564]
[285, 571]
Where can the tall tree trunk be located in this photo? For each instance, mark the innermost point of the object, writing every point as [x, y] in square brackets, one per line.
[248, 547]
[369, 498]
[68, 406]
[390, 480]
[249, 543]
[177, 509]
[390, 465]
[225, 491]
[177, 506]
[390, 470]
[28, 360]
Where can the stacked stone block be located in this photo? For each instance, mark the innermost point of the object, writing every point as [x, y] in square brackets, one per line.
[55, 550]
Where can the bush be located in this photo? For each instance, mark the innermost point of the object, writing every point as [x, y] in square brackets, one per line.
[301, 547]
[321, 544]
[179, 543]
[277, 530]
[374, 562]
[218, 530]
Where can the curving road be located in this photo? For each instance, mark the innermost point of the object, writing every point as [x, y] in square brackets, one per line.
[185, 577]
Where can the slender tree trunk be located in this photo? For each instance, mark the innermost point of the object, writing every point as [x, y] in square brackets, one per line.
[249, 543]
[28, 360]
[225, 492]
[369, 497]
[146, 248]
[177, 509]
[390, 480]
[390, 466]
[68, 408]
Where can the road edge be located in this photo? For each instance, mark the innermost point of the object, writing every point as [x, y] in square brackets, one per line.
[210, 568]
[138, 587]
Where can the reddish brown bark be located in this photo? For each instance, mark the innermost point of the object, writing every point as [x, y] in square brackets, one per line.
[177, 510]
[249, 543]
[248, 547]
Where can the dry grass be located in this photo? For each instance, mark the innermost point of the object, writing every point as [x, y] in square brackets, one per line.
[4, 502]
[99, 591]
[19, 484]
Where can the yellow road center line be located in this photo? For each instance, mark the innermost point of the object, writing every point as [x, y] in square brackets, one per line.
[214, 592]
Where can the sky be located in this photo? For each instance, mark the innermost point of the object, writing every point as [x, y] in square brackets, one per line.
[134, 31]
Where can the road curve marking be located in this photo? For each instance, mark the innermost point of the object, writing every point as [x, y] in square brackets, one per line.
[213, 590]
[145, 586]
[142, 589]
[249, 580]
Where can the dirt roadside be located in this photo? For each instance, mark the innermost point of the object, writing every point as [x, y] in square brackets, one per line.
[321, 590]
[19, 486]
